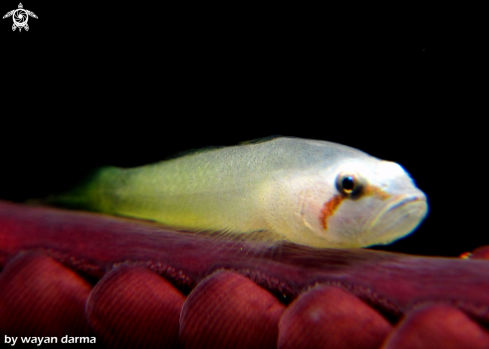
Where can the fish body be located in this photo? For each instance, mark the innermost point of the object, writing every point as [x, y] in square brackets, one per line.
[309, 192]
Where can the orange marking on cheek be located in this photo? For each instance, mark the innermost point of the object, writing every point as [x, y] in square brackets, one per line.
[329, 208]
[376, 191]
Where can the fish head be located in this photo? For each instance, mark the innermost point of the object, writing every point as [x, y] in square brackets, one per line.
[363, 202]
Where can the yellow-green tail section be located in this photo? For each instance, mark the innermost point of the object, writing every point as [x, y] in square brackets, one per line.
[88, 194]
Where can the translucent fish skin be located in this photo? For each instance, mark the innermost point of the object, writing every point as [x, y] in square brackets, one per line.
[285, 188]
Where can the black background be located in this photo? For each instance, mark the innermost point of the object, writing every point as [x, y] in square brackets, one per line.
[128, 84]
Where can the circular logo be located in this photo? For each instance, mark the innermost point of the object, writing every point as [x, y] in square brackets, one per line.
[20, 17]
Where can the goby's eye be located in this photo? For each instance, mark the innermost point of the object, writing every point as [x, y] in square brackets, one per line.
[349, 184]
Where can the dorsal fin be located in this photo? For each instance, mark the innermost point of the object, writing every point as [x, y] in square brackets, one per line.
[193, 151]
[215, 147]
[262, 140]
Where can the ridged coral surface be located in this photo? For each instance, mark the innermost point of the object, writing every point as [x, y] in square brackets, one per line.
[130, 283]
